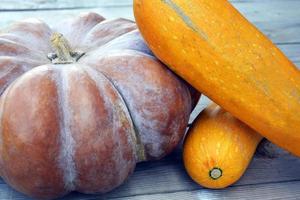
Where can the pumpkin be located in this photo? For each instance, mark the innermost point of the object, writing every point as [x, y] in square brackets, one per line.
[215, 49]
[218, 148]
[82, 103]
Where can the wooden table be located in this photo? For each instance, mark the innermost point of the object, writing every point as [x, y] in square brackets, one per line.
[266, 178]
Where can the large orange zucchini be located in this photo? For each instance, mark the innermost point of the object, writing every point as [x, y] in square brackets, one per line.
[213, 47]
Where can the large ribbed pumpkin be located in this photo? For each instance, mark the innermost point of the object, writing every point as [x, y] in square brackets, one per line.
[81, 104]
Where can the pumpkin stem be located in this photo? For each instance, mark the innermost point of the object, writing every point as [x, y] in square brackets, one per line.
[216, 173]
[63, 52]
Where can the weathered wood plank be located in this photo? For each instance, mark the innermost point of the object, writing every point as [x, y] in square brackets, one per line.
[285, 190]
[172, 177]
[287, 32]
[278, 20]
[53, 16]
[168, 175]
[8, 5]
[292, 51]
[166, 179]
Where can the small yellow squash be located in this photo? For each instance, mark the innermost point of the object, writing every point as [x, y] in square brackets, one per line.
[218, 148]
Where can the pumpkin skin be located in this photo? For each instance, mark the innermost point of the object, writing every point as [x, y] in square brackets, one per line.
[82, 126]
[218, 148]
[215, 49]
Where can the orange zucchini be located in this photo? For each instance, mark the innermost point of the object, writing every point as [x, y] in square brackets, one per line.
[218, 148]
[214, 48]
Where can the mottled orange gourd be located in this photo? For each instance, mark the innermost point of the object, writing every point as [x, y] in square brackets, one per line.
[214, 48]
[218, 148]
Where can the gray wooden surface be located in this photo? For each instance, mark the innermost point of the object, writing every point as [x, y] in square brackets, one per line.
[266, 178]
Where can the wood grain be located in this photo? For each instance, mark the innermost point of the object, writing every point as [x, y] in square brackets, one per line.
[166, 179]
[267, 192]
[8, 5]
[278, 20]
[168, 175]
